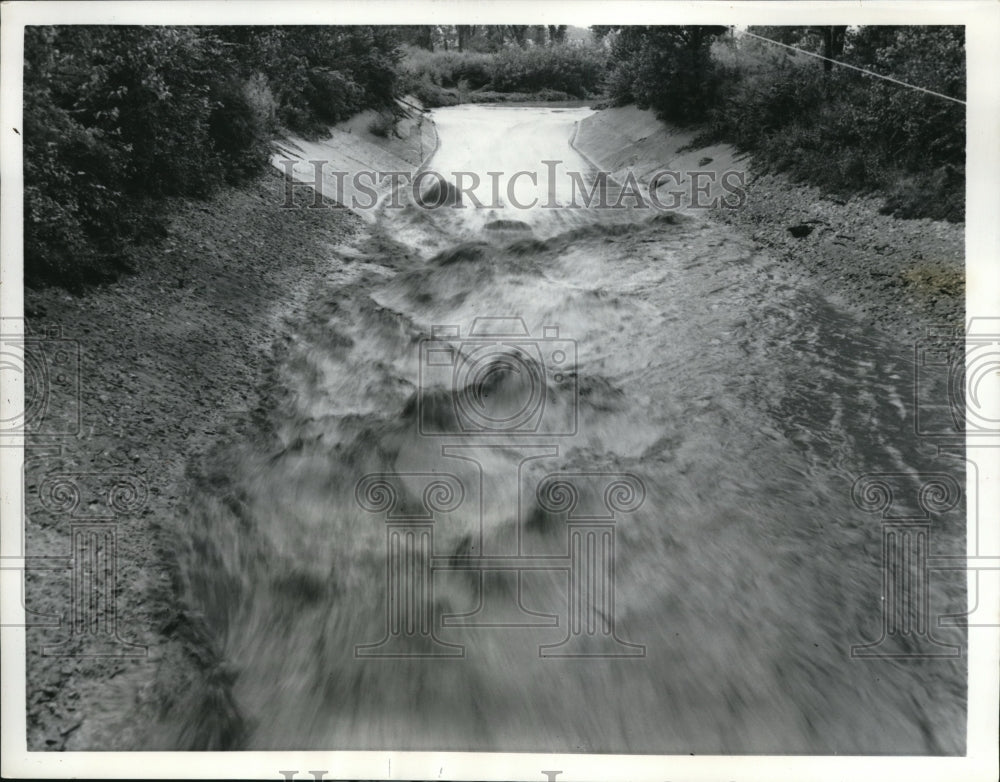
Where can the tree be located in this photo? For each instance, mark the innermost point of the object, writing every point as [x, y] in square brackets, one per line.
[421, 35]
[833, 44]
[116, 118]
[828, 40]
[863, 43]
[465, 34]
[519, 32]
[666, 68]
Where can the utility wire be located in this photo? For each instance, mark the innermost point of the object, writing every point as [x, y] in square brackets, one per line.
[854, 68]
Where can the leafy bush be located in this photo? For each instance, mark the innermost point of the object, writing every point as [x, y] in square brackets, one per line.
[382, 124]
[835, 128]
[446, 68]
[117, 118]
[319, 75]
[573, 70]
[242, 121]
[848, 133]
[333, 96]
[114, 118]
[542, 96]
[431, 95]
[577, 70]
[667, 69]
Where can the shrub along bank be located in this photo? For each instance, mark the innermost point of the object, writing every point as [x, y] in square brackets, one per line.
[842, 130]
[116, 118]
[554, 72]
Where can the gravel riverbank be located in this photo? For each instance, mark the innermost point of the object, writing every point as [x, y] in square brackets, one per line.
[902, 276]
[176, 360]
[173, 361]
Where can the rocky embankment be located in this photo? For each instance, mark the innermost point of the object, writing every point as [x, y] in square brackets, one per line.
[175, 360]
[903, 276]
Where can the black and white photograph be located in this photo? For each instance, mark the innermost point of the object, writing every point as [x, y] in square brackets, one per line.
[468, 390]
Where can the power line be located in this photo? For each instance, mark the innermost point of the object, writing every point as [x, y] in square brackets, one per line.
[855, 68]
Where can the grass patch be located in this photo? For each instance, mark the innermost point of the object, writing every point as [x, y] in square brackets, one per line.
[537, 73]
[935, 279]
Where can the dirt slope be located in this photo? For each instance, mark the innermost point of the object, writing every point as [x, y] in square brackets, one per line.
[172, 358]
[902, 275]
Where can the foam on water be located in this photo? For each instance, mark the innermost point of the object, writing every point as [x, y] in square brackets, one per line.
[740, 401]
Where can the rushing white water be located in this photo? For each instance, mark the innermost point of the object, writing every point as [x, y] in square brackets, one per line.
[705, 403]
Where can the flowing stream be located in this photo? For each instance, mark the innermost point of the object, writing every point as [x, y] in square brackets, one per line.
[578, 480]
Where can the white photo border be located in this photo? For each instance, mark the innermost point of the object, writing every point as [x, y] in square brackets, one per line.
[982, 22]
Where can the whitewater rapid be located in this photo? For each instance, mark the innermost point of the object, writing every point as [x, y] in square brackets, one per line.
[575, 480]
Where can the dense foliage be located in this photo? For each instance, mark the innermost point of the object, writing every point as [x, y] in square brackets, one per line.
[830, 126]
[667, 69]
[489, 37]
[445, 77]
[577, 70]
[117, 118]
